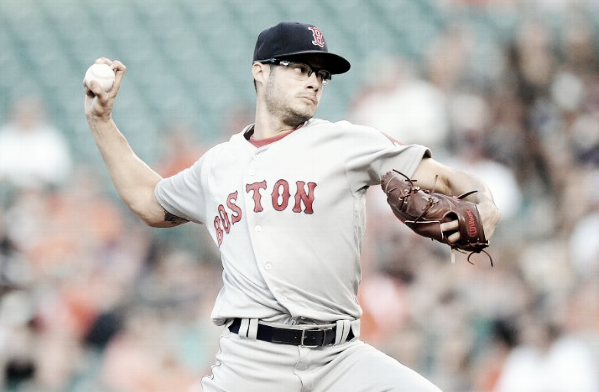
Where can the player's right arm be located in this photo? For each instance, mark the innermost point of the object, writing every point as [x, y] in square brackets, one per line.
[133, 179]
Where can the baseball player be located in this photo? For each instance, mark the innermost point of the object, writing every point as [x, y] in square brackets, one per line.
[283, 200]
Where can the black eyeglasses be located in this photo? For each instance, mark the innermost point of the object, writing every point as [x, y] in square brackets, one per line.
[302, 71]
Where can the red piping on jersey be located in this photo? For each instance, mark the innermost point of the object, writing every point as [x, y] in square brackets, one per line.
[264, 142]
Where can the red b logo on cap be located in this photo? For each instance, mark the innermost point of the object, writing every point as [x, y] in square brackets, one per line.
[318, 37]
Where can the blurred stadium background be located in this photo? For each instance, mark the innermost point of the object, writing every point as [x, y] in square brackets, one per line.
[190, 59]
[121, 308]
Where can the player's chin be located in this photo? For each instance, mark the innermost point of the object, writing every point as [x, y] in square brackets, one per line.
[301, 115]
[310, 110]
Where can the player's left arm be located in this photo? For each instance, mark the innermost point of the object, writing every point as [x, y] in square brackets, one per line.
[431, 174]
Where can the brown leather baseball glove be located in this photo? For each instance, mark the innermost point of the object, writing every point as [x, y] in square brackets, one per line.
[423, 211]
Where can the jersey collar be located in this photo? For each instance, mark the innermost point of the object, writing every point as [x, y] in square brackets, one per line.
[249, 136]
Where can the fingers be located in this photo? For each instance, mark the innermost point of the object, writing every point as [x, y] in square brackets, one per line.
[94, 89]
[119, 69]
[103, 60]
[451, 230]
[449, 226]
[99, 103]
[454, 237]
[490, 216]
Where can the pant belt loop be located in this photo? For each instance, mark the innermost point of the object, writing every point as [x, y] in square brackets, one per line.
[355, 327]
[252, 332]
[243, 328]
[343, 328]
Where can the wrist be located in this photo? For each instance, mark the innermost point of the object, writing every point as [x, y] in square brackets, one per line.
[99, 118]
[488, 208]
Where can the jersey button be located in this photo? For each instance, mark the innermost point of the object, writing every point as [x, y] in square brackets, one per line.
[267, 266]
[251, 172]
[258, 228]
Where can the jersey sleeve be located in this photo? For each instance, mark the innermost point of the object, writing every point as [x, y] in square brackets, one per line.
[370, 153]
[182, 194]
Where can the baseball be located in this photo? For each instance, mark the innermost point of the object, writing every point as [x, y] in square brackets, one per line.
[101, 73]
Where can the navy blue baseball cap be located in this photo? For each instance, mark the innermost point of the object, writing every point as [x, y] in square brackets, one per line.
[293, 40]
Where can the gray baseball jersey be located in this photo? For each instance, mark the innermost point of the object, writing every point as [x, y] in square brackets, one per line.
[288, 217]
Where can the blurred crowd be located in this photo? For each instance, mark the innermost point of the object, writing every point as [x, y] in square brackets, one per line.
[91, 300]
[525, 118]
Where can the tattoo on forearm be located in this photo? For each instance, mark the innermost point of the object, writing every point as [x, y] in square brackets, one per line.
[173, 219]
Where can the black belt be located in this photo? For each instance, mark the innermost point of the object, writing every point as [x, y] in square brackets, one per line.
[311, 337]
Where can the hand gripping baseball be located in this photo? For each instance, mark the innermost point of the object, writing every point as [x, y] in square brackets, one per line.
[99, 101]
[424, 211]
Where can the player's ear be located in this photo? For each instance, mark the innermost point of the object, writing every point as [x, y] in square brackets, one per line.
[260, 72]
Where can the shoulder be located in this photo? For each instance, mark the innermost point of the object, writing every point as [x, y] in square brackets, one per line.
[342, 124]
[353, 132]
[225, 151]
[356, 136]
[343, 127]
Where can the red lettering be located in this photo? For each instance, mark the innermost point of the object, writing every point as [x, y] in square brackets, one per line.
[472, 230]
[306, 198]
[236, 216]
[224, 218]
[230, 213]
[219, 231]
[255, 188]
[280, 195]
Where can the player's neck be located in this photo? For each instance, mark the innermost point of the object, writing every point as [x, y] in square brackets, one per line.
[272, 129]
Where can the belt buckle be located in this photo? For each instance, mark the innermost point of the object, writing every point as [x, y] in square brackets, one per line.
[324, 334]
[303, 337]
